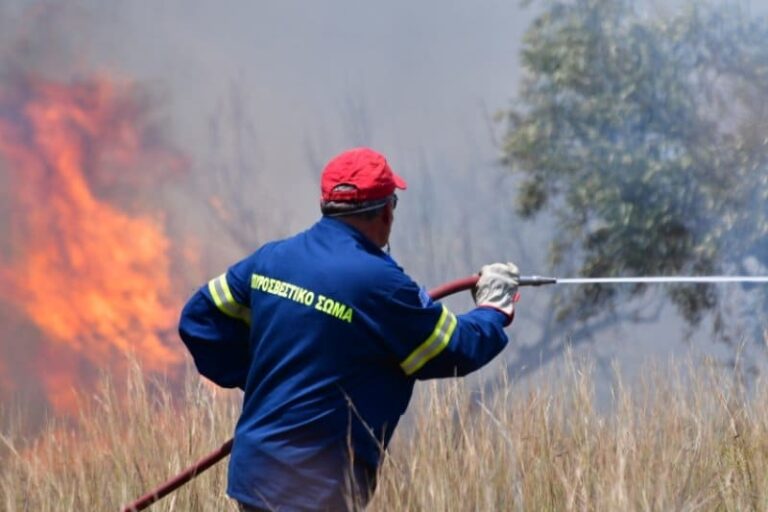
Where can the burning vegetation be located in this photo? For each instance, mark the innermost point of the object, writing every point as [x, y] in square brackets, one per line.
[83, 263]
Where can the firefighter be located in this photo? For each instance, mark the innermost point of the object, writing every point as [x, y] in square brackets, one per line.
[326, 335]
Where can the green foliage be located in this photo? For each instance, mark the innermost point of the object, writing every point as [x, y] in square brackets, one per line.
[647, 140]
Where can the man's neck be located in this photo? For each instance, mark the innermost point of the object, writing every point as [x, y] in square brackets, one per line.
[366, 227]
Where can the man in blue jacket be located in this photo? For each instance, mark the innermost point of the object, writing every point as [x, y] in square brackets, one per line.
[326, 335]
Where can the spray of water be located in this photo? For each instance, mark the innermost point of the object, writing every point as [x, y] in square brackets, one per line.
[664, 279]
[541, 280]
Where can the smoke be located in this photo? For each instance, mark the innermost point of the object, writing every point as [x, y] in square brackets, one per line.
[253, 88]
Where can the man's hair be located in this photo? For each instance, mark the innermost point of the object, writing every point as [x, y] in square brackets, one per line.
[362, 210]
[370, 214]
[354, 210]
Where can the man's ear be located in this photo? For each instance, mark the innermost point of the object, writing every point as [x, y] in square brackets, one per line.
[387, 214]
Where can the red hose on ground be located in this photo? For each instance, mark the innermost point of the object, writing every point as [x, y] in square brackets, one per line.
[215, 456]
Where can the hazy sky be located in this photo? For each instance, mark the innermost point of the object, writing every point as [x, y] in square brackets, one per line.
[416, 80]
[420, 67]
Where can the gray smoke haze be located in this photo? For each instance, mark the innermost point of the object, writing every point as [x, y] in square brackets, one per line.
[265, 93]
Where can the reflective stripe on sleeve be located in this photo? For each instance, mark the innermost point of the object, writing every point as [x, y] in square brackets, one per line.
[224, 300]
[433, 345]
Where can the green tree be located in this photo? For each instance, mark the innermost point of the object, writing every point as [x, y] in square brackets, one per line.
[647, 140]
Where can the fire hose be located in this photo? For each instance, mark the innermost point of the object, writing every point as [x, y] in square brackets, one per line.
[437, 293]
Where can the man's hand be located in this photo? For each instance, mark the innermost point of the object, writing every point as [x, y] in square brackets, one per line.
[497, 288]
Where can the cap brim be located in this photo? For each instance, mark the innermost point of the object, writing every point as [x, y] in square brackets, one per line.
[399, 182]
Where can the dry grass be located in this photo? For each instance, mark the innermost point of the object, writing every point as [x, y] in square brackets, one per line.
[124, 443]
[685, 438]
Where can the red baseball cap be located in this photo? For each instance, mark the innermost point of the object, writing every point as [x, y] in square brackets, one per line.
[364, 175]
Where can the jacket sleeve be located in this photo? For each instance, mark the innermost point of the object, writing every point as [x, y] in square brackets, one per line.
[215, 327]
[432, 342]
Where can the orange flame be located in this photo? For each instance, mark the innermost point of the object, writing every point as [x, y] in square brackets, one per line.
[94, 279]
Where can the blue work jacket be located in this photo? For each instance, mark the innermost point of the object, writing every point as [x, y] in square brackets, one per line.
[326, 335]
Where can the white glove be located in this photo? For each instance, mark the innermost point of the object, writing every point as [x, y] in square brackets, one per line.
[497, 288]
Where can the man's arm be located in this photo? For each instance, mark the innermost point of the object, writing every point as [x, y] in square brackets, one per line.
[478, 337]
[215, 327]
[430, 341]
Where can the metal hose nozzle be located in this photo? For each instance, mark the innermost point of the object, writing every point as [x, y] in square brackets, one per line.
[536, 280]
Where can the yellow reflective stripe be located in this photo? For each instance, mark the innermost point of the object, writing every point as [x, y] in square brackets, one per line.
[222, 297]
[434, 344]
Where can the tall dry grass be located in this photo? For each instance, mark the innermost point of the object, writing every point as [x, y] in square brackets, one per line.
[683, 437]
[126, 440]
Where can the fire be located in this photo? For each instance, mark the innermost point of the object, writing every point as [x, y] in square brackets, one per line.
[94, 278]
